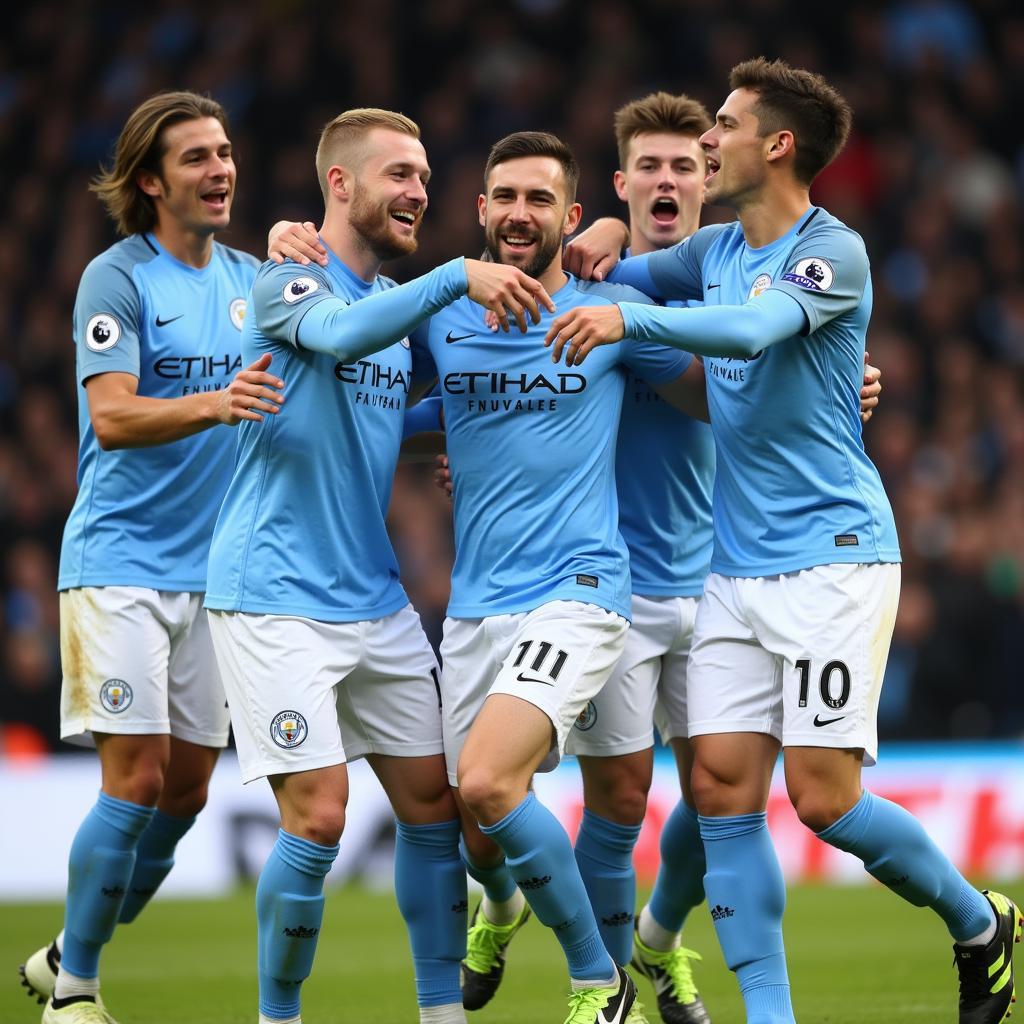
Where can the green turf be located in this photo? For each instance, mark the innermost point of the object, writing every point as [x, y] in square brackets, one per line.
[857, 956]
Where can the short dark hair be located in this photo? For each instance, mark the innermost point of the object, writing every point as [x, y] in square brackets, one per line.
[658, 112]
[522, 144]
[801, 102]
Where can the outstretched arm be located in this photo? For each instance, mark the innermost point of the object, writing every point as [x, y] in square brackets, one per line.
[706, 330]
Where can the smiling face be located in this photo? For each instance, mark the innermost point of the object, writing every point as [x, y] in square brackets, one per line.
[737, 156]
[389, 193]
[663, 183]
[526, 213]
[195, 185]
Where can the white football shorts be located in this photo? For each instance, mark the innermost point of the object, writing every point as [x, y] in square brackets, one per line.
[307, 694]
[556, 657]
[798, 656]
[138, 662]
[646, 688]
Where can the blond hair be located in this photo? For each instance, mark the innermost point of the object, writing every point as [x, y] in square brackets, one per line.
[141, 147]
[340, 137]
[658, 112]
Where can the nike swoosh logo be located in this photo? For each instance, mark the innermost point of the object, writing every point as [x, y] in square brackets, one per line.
[710, 286]
[530, 679]
[164, 323]
[827, 721]
[451, 339]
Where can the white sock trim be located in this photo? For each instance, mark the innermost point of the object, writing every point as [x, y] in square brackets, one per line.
[505, 912]
[652, 934]
[69, 985]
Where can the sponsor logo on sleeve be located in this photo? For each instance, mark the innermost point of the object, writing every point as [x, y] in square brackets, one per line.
[102, 332]
[236, 312]
[814, 274]
[299, 288]
[288, 729]
[116, 696]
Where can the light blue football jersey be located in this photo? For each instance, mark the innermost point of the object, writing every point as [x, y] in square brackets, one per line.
[302, 528]
[532, 449]
[665, 470]
[794, 487]
[144, 516]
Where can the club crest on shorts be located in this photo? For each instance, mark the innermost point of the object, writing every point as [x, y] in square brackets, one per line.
[288, 729]
[587, 717]
[116, 696]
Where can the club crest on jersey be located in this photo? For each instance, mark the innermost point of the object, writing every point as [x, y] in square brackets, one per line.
[116, 696]
[102, 332]
[761, 282]
[236, 312]
[404, 343]
[299, 288]
[814, 274]
[587, 717]
[288, 729]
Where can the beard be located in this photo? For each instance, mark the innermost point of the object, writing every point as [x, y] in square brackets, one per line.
[372, 222]
[547, 248]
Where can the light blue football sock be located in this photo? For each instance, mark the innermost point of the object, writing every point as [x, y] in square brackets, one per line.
[430, 887]
[540, 858]
[898, 852]
[99, 868]
[604, 855]
[747, 895]
[679, 886]
[154, 858]
[289, 913]
[499, 885]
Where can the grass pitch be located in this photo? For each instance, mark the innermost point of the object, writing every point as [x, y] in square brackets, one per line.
[857, 956]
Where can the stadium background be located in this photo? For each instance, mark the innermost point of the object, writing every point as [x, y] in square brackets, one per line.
[933, 178]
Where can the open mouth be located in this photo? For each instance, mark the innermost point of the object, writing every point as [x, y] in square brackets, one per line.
[407, 218]
[518, 242]
[216, 199]
[665, 210]
[712, 170]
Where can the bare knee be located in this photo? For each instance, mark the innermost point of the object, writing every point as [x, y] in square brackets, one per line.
[818, 807]
[489, 794]
[134, 768]
[184, 802]
[321, 822]
[616, 795]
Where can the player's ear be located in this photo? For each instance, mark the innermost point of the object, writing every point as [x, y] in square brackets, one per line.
[150, 183]
[339, 182]
[619, 181]
[572, 219]
[481, 209]
[783, 144]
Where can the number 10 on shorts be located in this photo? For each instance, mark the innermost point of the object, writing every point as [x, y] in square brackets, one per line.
[834, 676]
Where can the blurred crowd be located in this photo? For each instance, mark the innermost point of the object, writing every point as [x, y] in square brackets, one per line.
[933, 178]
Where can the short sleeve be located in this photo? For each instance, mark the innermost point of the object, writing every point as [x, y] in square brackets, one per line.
[826, 274]
[108, 319]
[283, 294]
